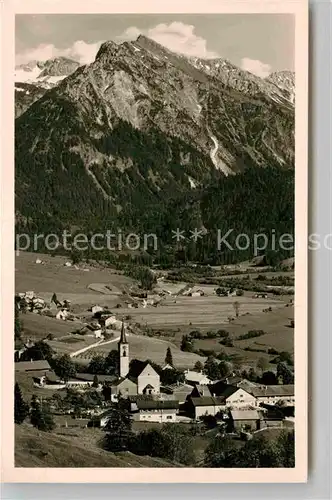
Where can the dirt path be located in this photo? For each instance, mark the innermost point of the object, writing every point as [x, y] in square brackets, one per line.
[97, 344]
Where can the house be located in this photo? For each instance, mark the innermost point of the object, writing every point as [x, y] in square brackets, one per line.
[89, 377]
[205, 405]
[196, 293]
[272, 416]
[237, 397]
[98, 333]
[109, 321]
[157, 410]
[124, 387]
[78, 384]
[272, 394]
[200, 391]
[95, 309]
[194, 378]
[18, 353]
[181, 392]
[41, 366]
[243, 420]
[48, 381]
[62, 314]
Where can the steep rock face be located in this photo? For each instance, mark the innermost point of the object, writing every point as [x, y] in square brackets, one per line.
[34, 78]
[140, 123]
[25, 95]
[285, 81]
[60, 66]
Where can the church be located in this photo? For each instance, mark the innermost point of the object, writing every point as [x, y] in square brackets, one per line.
[142, 379]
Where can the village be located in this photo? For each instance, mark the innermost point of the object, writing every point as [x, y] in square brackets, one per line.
[94, 358]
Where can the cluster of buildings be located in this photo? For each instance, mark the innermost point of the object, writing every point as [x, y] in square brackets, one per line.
[244, 403]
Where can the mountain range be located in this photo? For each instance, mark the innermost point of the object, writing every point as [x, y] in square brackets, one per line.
[119, 138]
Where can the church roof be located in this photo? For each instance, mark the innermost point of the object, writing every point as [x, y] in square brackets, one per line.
[123, 338]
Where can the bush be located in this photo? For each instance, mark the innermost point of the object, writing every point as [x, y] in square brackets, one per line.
[251, 334]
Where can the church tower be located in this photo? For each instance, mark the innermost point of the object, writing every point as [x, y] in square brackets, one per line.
[123, 347]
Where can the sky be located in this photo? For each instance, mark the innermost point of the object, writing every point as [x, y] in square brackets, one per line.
[260, 43]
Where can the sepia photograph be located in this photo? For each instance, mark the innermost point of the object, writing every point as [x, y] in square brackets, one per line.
[155, 200]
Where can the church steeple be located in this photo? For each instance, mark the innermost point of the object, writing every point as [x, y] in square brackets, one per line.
[123, 338]
[123, 348]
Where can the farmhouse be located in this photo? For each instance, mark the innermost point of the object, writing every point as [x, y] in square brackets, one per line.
[272, 394]
[245, 420]
[179, 391]
[157, 410]
[62, 314]
[234, 397]
[205, 405]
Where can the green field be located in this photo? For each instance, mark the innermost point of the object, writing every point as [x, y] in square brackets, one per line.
[143, 347]
[35, 448]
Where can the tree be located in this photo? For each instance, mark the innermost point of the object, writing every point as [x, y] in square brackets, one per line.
[95, 381]
[41, 350]
[258, 452]
[64, 367]
[285, 357]
[262, 364]
[236, 306]
[198, 366]
[269, 378]
[40, 416]
[169, 357]
[118, 428]
[285, 373]
[220, 452]
[18, 324]
[186, 344]
[112, 363]
[286, 447]
[171, 376]
[225, 369]
[211, 368]
[147, 278]
[97, 365]
[252, 375]
[21, 408]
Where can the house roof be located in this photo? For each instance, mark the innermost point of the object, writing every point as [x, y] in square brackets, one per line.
[195, 376]
[121, 380]
[90, 377]
[229, 390]
[203, 390]
[168, 404]
[245, 415]
[207, 401]
[272, 390]
[135, 397]
[52, 377]
[25, 366]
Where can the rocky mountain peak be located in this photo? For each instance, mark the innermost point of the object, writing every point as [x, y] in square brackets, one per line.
[59, 66]
[106, 50]
[141, 122]
[284, 80]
